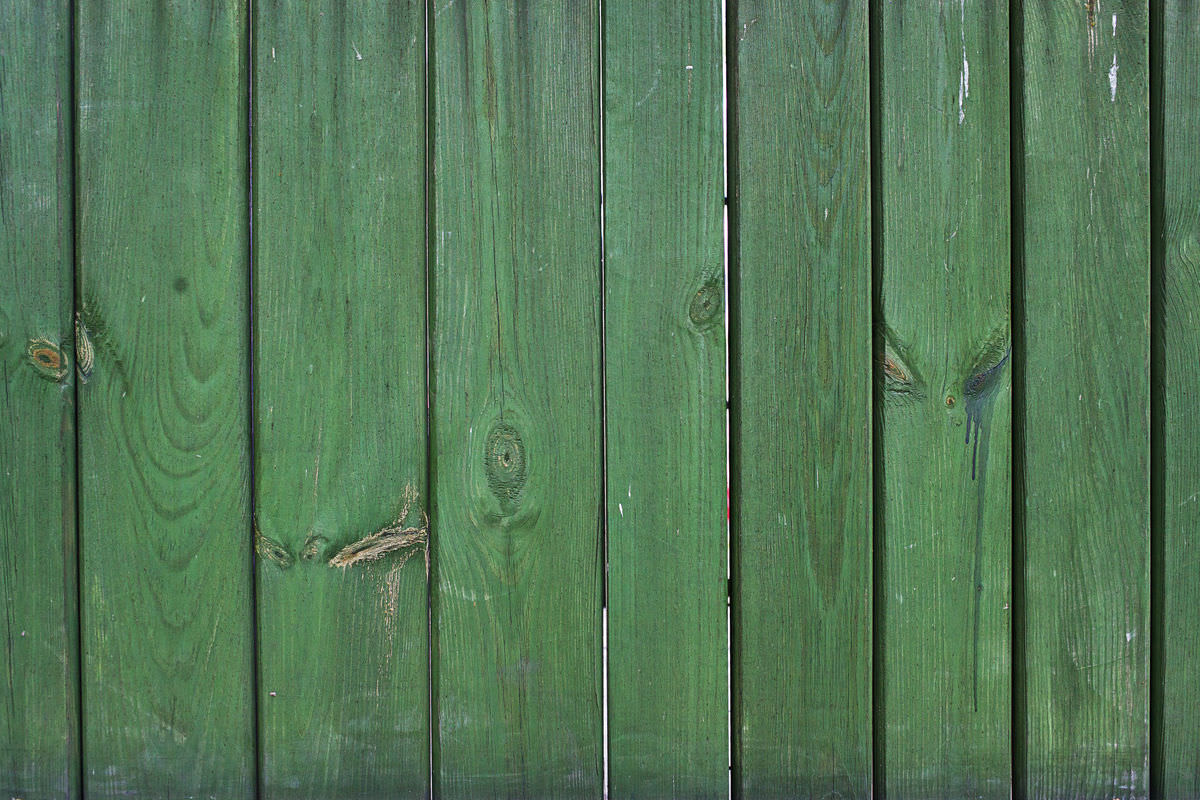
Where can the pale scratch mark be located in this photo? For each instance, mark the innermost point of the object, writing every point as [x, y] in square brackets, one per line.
[1093, 8]
[651, 90]
[746, 29]
[621, 508]
[317, 467]
[1114, 24]
[689, 68]
[1112, 78]
[964, 75]
[357, 55]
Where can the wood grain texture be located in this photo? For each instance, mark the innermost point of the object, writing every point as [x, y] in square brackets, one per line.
[39, 724]
[1087, 259]
[665, 400]
[339, 277]
[1180, 59]
[164, 442]
[516, 400]
[801, 400]
[946, 449]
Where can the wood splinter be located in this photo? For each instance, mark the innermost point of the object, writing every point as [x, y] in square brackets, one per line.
[391, 537]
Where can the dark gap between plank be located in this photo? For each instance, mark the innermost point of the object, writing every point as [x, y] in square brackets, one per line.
[1157, 400]
[878, 699]
[256, 678]
[732, 367]
[1016, 156]
[76, 667]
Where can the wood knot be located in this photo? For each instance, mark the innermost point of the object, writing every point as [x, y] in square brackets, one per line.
[272, 550]
[313, 547]
[504, 462]
[47, 359]
[706, 304]
[85, 353]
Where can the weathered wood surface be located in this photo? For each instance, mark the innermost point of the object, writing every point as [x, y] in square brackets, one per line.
[515, 379]
[339, 411]
[164, 490]
[1086, 302]
[800, 387]
[946, 401]
[665, 400]
[1179, 323]
[39, 725]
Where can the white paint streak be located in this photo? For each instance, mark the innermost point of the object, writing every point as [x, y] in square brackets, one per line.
[1112, 78]
[964, 75]
[357, 55]
[621, 508]
[1114, 24]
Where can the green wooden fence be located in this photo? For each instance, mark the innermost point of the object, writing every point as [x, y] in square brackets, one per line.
[373, 374]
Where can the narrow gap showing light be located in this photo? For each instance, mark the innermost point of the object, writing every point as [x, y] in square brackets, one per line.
[603, 416]
[725, 308]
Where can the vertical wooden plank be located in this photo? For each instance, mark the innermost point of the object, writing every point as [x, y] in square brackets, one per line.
[946, 414]
[801, 399]
[665, 399]
[515, 409]
[164, 443]
[1086, 305]
[1180, 265]
[39, 751]
[339, 237]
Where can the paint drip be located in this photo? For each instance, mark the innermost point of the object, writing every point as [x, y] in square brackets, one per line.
[980, 392]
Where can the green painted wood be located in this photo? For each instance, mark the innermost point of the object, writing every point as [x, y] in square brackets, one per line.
[339, 364]
[516, 400]
[946, 400]
[162, 249]
[1086, 301]
[801, 399]
[665, 399]
[39, 724]
[1180, 636]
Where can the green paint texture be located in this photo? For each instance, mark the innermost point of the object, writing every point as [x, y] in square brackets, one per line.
[339, 406]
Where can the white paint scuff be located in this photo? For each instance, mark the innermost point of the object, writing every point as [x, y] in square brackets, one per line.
[964, 75]
[1112, 78]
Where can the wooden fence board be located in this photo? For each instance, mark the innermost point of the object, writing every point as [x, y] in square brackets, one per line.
[163, 420]
[1179, 323]
[665, 400]
[800, 384]
[516, 400]
[947, 465]
[1086, 299]
[39, 724]
[339, 281]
